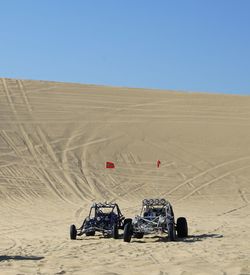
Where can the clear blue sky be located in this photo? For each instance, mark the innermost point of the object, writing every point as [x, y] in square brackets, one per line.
[192, 45]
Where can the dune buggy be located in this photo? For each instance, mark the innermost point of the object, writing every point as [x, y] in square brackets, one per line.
[156, 216]
[103, 217]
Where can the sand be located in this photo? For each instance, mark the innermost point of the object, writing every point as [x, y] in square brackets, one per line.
[54, 141]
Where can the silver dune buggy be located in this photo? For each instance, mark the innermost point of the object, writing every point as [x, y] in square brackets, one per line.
[105, 218]
[156, 216]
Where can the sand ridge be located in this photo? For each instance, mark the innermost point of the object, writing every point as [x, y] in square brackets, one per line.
[54, 141]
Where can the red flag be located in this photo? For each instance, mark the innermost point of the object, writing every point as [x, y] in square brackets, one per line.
[110, 164]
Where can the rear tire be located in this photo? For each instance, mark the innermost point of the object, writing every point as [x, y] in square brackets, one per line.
[128, 232]
[171, 232]
[182, 227]
[115, 232]
[73, 232]
[90, 233]
[139, 235]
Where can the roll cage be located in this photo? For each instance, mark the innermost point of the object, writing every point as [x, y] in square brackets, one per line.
[155, 208]
[103, 209]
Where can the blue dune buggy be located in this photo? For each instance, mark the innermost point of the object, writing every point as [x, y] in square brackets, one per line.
[105, 218]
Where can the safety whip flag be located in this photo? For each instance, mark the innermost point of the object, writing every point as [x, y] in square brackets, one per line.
[110, 164]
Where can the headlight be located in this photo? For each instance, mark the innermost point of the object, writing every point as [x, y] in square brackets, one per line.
[98, 219]
[145, 202]
[163, 201]
[151, 202]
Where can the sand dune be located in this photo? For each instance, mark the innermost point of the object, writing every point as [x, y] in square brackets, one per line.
[54, 141]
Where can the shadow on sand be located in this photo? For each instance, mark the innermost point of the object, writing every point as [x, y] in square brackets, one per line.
[189, 239]
[19, 258]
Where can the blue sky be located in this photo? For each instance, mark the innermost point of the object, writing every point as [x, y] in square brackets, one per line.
[190, 45]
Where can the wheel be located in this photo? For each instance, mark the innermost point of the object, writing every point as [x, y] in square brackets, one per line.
[90, 233]
[126, 221]
[182, 227]
[139, 235]
[73, 232]
[115, 232]
[171, 232]
[128, 232]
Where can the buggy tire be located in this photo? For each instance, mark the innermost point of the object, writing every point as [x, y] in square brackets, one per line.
[128, 232]
[90, 233]
[171, 232]
[125, 222]
[138, 235]
[182, 227]
[115, 231]
[73, 232]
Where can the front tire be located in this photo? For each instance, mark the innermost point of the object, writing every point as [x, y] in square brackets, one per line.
[171, 232]
[128, 232]
[126, 221]
[115, 232]
[73, 232]
[182, 227]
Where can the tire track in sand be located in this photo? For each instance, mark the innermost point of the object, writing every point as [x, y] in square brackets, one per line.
[223, 164]
[50, 151]
[211, 182]
[34, 170]
[97, 186]
[243, 196]
[64, 159]
[29, 146]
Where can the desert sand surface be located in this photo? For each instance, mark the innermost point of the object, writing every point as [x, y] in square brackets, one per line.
[54, 141]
